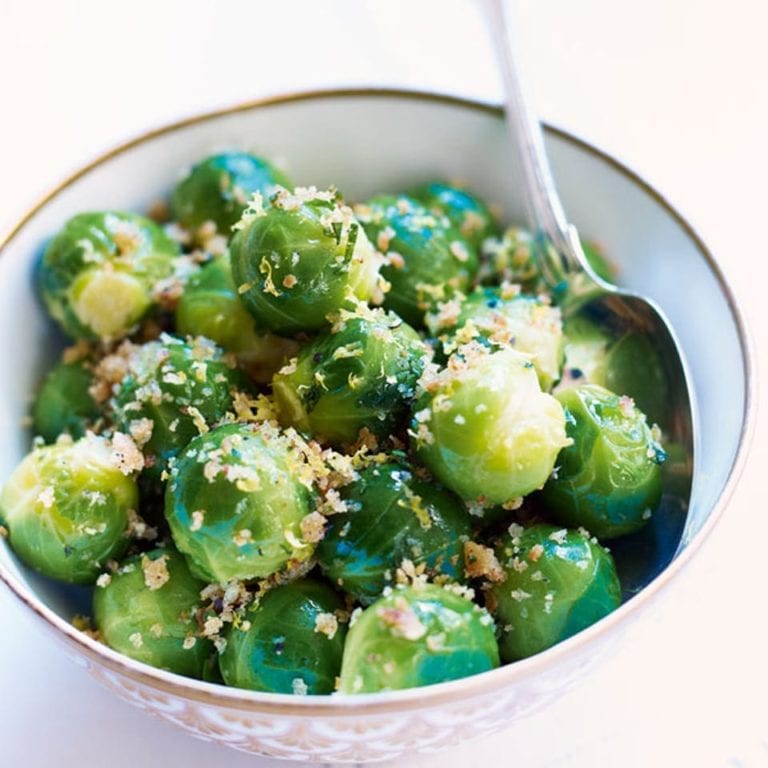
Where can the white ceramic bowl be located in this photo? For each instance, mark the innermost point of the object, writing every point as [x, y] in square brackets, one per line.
[366, 142]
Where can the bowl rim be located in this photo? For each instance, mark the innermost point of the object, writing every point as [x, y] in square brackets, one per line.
[336, 705]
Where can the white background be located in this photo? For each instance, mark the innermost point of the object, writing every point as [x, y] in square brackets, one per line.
[675, 88]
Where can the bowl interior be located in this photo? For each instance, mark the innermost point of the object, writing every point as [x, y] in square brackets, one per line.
[365, 143]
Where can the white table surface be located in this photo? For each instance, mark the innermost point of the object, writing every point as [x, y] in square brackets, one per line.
[676, 88]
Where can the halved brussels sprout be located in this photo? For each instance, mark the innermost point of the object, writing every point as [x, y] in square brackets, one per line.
[97, 276]
[419, 635]
[393, 517]
[210, 307]
[608, 479]
[173, 390]
[467, 212]
[556, 583]
[503, 317]
[290, 641]
[147, 610]
[427, 260]
[64, 404]
[363, 373]
[301, 258]
[218, 189]
[484, 427]
[235, 501]
[67, 508]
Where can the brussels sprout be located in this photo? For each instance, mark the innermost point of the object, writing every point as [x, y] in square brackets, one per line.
[556, 583]
[361, 374]
[235, 502]
[147, 610]
[64, 405]
[484, 427]
[210, 307]
[505, 318]
[609, 479]
[427, 259]
[173, 390]
[466, 212]
[301, 258]
[218, 189]
[392, 517]
[291, 641]
[419, 635]
[97, 275]
[67, 507]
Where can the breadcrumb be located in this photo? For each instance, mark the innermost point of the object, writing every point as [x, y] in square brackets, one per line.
[313, 527]
[481, 561]
[327, 624]
[125, 454]
[156, 573]
[401, 620]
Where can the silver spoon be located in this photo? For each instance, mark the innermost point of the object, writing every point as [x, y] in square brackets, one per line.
[568, 274]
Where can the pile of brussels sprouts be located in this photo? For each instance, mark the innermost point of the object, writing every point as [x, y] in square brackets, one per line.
[303, 447]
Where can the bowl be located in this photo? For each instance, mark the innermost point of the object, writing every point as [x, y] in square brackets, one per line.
[364, 142]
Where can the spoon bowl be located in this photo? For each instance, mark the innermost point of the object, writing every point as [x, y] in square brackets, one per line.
[579, 291]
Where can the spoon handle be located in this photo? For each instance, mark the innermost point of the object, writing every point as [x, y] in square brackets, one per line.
[545, 211]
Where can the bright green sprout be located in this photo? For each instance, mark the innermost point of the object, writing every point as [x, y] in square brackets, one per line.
[218, 190]
[609, 480]
[555, 583]
[419, 635]
[290, 641]
[300, 258]
[67, 507]
[147, 609]
[427, 259]
[98, 276]
[484, 427]
[211, 307]
[418, 525]
[360, 375]
[236, 499]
